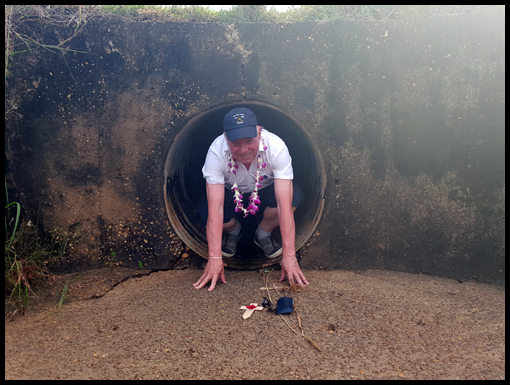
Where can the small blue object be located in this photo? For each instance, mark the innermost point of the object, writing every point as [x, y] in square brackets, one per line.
[285, 305]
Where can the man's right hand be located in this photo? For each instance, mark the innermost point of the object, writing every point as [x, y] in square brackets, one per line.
[212, 271]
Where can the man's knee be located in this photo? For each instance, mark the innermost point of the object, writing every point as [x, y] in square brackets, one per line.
[230, 225]
[271, 212]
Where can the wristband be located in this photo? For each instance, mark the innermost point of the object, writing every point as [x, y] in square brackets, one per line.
[286, 259]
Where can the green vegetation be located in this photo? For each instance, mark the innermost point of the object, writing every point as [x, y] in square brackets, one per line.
[259, 13]
[63, 298]
[28, 252]
[111, 262]
[77, 14]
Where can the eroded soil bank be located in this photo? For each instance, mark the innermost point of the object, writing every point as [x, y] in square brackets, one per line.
[369, 325]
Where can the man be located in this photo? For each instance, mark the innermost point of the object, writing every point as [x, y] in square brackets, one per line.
[248, 159]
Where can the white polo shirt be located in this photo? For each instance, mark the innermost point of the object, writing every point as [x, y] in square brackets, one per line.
[277, 158]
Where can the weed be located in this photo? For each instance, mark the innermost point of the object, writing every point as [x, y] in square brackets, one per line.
[259, 13]
[111, 262]
[25, 259]
[140, 264]
[63, 297]
[16, 15]
[27, 252]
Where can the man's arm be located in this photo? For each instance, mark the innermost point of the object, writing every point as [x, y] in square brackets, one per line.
[215, 198]
[284, 191]
[214, 267]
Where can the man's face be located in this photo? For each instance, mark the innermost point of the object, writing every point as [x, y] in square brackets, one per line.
[246, 149]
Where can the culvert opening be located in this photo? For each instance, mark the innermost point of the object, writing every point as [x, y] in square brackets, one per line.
[184, 184]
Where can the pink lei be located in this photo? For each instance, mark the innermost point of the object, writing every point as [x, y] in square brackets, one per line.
[254, 198]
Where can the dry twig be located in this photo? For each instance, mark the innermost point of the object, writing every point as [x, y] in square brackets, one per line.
[291, 288]
[303, 333]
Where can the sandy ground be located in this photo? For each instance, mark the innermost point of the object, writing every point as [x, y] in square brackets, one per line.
[368, 325]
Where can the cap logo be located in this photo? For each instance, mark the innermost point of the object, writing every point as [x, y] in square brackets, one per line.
[239, 118]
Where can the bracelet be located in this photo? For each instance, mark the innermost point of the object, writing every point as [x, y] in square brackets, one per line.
[215, 258]
[286, 259]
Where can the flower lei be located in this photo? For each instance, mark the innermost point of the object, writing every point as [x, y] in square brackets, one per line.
[254, 198]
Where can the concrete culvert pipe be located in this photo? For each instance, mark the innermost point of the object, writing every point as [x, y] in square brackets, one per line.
[184, 184]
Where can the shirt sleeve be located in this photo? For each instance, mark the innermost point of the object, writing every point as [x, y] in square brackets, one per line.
[213, 170]
[282, 164]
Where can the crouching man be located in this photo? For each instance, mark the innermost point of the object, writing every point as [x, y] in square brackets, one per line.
[248, 169]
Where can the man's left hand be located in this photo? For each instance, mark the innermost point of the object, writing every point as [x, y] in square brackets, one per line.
[213, 270]
[290, 267]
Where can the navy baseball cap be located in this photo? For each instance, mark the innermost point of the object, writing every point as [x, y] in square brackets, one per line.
[240, 123]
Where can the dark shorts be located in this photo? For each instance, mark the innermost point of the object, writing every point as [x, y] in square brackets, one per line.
[267, 199]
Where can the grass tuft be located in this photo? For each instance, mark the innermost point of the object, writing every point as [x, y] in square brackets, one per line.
[27, 253]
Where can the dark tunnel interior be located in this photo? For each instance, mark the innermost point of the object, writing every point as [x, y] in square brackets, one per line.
[184, 184]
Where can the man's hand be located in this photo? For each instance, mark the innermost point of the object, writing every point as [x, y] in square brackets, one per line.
[212, 271]
[290, 267]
